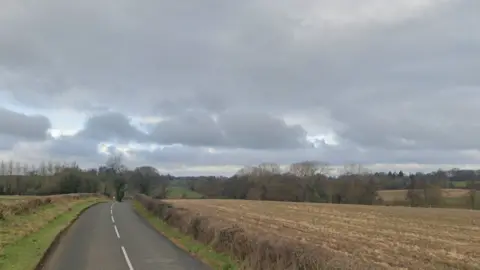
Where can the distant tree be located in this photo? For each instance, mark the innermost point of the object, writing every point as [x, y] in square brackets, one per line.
[434, 195]
[114, 164]
[10, 167]
[114, 169]
[25, 169]
[269, 168]
[147, 180]
[473, 187]
[308, 168]
[3, 168]
[119, 184]
[354, 169]
[160, 192]
[43, 169]
[412, 195]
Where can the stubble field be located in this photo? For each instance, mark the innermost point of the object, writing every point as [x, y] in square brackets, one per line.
[377, 236]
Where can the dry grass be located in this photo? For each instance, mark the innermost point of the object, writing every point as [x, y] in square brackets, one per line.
[21, 217]
[7, 200]
[360, 236]
[16, 205]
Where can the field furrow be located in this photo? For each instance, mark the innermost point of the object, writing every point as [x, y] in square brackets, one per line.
[392, 237]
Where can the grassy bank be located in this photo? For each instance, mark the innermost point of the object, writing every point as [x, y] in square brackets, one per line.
[25, 238]
[202, 252]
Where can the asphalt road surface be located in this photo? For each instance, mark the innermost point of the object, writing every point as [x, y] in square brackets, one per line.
[111, 236]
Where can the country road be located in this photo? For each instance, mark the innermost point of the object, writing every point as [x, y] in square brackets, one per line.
[111, 236]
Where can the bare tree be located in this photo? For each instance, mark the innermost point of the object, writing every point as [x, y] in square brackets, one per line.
[33, 170]
[472, 193]
[43, 169]
[74, 165]
[355, 169]
[115, 164]
[3, 168]
[57, 168]
[18, 168]
[309, 168]
[25, 169]
[247, 170]
[10, 167]
[269, 168]
[50, 168]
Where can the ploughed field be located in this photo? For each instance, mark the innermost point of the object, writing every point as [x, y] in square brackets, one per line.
[399, 194]
[379, 236]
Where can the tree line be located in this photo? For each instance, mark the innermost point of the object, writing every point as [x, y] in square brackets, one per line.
[311, 181]
[112, 179]
[307, 181]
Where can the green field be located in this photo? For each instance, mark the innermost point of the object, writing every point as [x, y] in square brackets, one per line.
[453, 198]
[175, 192]
[459, 184]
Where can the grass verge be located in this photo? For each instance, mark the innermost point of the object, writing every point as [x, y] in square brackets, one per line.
[29, 251]
[203, 252]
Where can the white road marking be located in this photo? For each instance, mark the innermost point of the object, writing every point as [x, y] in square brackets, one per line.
[116, 231]
[129, 263]
[127, 259]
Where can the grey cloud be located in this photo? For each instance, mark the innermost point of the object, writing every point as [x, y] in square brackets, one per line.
[111, 126]
[198, 156]
[260, 131]
[83, 151]
[22, 126]
[230, 129]
[72, 146]
[402, 86]
[195, 129]
[7, 142]
[222, 161]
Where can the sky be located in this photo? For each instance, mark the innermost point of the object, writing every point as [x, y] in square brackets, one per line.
[207, 87]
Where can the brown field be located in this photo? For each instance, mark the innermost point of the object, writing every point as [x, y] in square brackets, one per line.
[360, 237]
[399, 195]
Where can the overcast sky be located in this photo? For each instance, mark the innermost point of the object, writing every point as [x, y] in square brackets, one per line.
[206, 87]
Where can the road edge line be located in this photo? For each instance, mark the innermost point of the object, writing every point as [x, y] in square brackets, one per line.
[56, 240]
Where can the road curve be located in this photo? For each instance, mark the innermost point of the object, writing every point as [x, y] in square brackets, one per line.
[111, 236]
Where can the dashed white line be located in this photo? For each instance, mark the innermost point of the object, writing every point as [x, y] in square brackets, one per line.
[116, 231]
[127, 259]
[129, 263]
